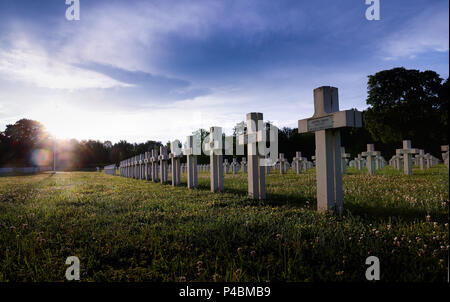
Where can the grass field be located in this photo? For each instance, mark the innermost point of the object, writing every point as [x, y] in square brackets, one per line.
[133, 230]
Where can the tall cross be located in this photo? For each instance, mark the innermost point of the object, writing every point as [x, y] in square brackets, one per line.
[244, 165]
[192, 181]
[175, 156]
[234, 166]
[226, 165]
[214, 147]
[421, 159]
[282, 162]
[344, 157]
[371, 154]
[163, 164]
[256, 172]
[407, 153]
[325, 122]
[154, 161]
[445, 154]
[141, 166]
[359, 162]
[298, 159]
[428, 159]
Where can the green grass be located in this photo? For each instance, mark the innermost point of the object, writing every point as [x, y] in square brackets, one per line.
[133, 230]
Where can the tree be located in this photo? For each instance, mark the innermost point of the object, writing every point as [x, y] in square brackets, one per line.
[20, 139]
[407, 104]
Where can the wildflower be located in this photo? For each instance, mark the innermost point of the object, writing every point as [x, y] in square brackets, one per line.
[278, 236]
[13, 228]
[31, 214]
[252, 253]
[239, 249]
[340, 273]
[25, 225]
[182, 279]
[428, 218]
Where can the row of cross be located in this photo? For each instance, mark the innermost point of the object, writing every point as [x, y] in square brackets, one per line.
[330, 159]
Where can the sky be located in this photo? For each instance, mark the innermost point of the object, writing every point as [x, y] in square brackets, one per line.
[140, 70]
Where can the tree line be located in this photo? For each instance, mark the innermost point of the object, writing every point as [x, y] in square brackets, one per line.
[403, 104]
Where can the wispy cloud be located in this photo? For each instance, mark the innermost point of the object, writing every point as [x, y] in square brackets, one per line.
[39, 69]
[429, 31]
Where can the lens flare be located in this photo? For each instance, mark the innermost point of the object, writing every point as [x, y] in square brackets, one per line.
[41, 157]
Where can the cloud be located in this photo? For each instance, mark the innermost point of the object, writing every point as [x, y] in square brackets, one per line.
[159, 87]
[429, 31]
[37, 68]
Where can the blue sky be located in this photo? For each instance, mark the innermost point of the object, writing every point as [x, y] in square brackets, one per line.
[140, 70]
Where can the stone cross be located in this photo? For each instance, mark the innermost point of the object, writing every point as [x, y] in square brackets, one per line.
[398, 161]
[344, 157]
[370, 156]
[244, 165]
[421, 159]
[192, 180]
[175, 167]
[163, 164]
[445, 154]
[256, 172]
[282, 162]
[298, 159]
[135, 163]
[147, 164]
[428, 159]
[326, 121]
[214, 147]
[226, 165]
[407, 153]
[359, 162]
[128, 172]
[234, 166]
[378, 162]
[154, 161]
[141, 166]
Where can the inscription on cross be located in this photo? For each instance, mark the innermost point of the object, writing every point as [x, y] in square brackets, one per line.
[326, 122]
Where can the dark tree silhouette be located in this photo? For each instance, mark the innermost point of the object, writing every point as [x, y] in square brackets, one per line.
[407, 104]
